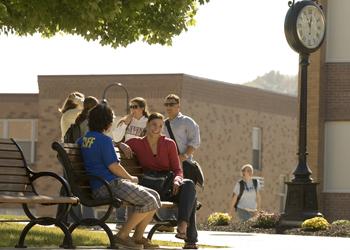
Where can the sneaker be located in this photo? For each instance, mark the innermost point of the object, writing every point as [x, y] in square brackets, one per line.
[147, 244]
[127, 243]
[165, 228]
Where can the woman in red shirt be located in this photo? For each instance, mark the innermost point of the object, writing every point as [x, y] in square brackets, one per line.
[155, 152]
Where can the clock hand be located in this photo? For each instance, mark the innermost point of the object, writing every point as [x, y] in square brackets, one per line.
[309, 23]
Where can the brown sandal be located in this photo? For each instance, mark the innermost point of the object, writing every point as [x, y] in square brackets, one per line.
[180, 235]
[190, 246]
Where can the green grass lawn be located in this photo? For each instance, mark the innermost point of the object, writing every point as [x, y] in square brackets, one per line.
[40, 236]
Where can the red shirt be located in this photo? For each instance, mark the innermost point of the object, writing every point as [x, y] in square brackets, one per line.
[166, 159]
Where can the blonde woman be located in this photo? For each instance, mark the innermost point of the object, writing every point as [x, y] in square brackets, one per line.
[70, 110]
[245, 201]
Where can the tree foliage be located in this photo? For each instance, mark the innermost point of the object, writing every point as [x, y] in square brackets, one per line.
[111, 22]
[275, 81]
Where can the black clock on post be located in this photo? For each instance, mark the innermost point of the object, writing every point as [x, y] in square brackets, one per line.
[305, 28]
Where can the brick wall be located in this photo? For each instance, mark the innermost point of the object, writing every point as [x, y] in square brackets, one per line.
[338, 91]
[21, 106]
[335, 205]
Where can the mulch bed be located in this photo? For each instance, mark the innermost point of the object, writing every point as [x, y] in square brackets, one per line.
[248, 227]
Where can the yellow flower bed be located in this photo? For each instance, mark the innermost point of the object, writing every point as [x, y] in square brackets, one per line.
[316, 223]
[219, 219]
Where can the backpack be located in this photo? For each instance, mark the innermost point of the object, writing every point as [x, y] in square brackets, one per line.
[73, 134]
[193, 171]
[241, 190]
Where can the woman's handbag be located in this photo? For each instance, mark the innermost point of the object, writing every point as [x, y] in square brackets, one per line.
[160, 181]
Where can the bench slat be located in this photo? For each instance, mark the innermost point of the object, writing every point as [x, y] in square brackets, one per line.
[13, 171]
[72, 151]
[133, 170]
[38, 199]
[70, 145]
[15, 187]
[11, 147]
[75, 158]
[18, 179]
[10, 155]
[11, 163]
[6, 141]
[168, 204]
[78, 166]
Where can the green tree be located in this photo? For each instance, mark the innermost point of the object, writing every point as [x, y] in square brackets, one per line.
[111, 22]
[275, 81]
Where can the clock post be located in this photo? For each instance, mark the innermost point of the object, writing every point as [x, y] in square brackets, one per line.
[304, 30]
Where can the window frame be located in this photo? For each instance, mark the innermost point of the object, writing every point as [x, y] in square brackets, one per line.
[33, 134]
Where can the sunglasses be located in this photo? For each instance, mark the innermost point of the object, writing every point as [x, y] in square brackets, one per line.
[133, 106]
[169, 104]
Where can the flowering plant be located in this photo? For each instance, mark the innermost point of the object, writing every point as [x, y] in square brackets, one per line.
[264, 219]
[341, 223]
[219, 219]
[315, 224]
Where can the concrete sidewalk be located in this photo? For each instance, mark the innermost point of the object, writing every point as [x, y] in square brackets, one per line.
[245, 241]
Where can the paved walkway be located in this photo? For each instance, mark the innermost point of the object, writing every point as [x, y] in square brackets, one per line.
[247, 241]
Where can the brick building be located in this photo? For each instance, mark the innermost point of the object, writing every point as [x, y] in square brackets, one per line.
[328, 113]
[236, 123]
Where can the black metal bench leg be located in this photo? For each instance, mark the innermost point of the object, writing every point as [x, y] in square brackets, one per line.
[109, 234]
[65, 243]
[24, 232]
[152, 231]
[67, 240]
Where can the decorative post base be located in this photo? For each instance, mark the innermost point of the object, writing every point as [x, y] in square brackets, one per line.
[301, 204]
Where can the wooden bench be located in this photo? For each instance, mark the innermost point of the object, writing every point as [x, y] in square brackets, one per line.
[17, 187]
[70, 157]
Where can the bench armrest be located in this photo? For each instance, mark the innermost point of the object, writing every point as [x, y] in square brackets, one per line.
[65, 185]
[116, 202]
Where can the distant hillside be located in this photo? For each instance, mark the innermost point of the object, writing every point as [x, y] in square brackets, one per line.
[274, 81]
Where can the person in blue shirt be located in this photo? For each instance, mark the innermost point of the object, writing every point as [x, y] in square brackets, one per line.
[100, 159]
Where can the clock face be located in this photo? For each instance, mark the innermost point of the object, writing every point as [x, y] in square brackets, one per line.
[310, 26]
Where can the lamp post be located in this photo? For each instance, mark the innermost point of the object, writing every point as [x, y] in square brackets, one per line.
[104, 100]
[305, 29]
[301, 200]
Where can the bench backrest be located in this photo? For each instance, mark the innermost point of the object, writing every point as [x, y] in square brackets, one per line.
[71, 159]
[14, 171]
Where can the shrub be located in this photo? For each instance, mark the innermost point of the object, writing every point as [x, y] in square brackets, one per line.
[219, 219]
[265, 220]
[315, 224]
[341, 223]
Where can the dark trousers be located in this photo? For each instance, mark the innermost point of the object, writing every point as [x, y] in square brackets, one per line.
[187, 201]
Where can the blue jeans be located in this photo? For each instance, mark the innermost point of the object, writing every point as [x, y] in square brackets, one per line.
[244, 215]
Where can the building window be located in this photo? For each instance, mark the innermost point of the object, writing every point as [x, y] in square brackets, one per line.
[24, 131]
[336, 157]
[256, 146]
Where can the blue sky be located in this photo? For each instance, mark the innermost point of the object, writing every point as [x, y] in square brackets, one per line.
[234, 41]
